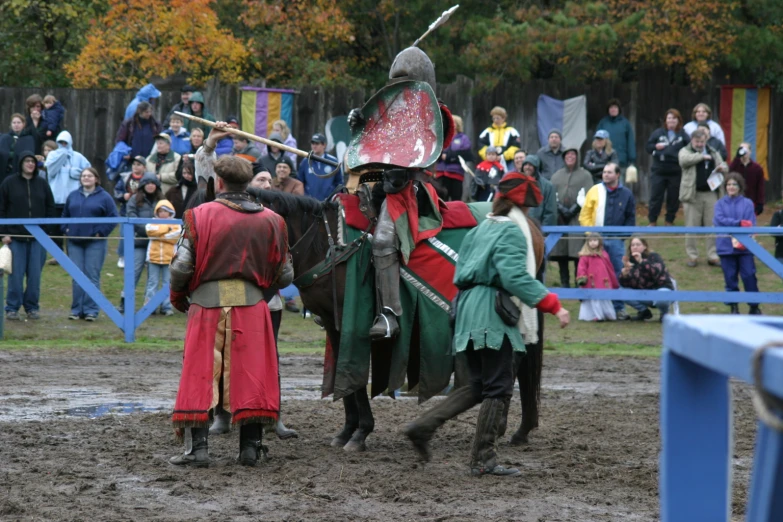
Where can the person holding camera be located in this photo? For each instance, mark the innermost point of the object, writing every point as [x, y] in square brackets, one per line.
[664, 145]
[752, 173]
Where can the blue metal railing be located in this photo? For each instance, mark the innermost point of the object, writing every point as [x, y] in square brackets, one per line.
[743, 235]
[131, 319]
[701, 354]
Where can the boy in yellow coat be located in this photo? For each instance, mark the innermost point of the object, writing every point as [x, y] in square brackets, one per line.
[160, 251]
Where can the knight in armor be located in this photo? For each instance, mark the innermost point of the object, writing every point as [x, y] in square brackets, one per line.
[409, 213]
[232, 258]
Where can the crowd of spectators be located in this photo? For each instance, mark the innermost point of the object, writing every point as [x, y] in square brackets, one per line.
[154, 176]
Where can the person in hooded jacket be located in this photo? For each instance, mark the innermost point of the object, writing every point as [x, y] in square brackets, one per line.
[568, 182]
[89, 200]
[546, 212]
[620, 132]
[145, 94]
[142, 205]
[139, 131]
[666, 174]
[160, 252]
[64, 168]
[22, 196]
[182, 106]
[197, 108]
[186, 188]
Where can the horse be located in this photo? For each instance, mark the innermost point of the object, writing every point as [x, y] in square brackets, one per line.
[311, 226]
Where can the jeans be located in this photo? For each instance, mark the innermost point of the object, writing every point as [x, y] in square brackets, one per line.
[157, 274]
[28, 260]
[616, 249]
[641, 306]
[89, 255]
[739, 266]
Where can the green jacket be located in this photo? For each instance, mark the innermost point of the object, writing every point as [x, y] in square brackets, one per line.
[493, 255]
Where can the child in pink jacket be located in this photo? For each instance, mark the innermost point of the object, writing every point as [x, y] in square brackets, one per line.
[595, 270]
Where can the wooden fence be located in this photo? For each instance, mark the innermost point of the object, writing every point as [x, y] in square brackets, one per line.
[94, 115]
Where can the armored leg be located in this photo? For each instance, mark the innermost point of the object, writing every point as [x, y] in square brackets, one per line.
[386, 257]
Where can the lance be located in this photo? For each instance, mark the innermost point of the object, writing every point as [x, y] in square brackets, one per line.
[259, 139]
[437, 23]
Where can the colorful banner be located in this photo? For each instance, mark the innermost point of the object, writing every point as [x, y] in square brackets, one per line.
[261, 107]
[567, 116]
[744, 117]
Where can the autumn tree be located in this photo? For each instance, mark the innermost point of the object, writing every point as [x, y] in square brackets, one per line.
[137, 39]
[300, 42]
[38, 36]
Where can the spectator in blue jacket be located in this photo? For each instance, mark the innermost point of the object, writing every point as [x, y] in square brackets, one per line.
[89, 200]
[735, 210]
[53, 115]
[145, 94]
[180, 138]
[319, 188]
[620, 132]
[226, 145]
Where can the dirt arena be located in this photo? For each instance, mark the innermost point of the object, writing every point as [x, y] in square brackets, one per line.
[86, 436]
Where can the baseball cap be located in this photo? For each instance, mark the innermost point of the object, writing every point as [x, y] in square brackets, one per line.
[318, 138]
[140, 159]
[232, 119]
[601, 134]
[163, 136]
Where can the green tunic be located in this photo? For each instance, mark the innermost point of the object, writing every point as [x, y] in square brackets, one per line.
[493, 255]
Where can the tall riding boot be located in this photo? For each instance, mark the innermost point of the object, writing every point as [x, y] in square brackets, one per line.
[222, 422]
[387, 281]
[198, 455]
[250, 444]
[504, 417]
[284, 433]
[422, 429]
[483, 455]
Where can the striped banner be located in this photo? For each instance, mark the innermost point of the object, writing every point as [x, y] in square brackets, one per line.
[744, 117]
[568, 116]
[261, 107]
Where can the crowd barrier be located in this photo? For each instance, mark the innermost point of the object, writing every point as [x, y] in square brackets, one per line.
[700, 354]
[132, 319]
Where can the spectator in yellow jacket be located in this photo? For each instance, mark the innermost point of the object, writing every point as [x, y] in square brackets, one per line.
[501, 135]
[160, 251]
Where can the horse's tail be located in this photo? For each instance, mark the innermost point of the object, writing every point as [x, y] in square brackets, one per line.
[529, 373]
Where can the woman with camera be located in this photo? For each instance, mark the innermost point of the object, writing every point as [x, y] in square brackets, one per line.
[664, 145]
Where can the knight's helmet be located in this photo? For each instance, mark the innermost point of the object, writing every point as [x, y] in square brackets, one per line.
[413, 64]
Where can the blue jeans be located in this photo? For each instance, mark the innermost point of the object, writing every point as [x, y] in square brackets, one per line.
[89, 255]
[157, 274]
[739, 266]
[641, 306]
[28, 260]
[616, 249]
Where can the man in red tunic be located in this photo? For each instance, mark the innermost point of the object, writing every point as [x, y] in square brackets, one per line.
[231, 259]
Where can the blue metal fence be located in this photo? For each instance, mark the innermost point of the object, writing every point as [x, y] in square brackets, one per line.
[132, 319]
[701, 354]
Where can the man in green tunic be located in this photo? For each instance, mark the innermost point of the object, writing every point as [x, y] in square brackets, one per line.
[493, 256]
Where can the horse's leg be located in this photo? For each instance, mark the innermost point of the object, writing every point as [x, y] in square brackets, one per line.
[351, 421]
[529, 377]
[366, 422]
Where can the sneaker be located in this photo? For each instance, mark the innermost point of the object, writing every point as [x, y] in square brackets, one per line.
[168, 313]
[12, 316]
[643, 315]
[121, 262]
[90, 317]
[74, 317]
[33, 316]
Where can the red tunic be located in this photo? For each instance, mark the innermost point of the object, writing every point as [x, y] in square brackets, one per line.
[236, 342]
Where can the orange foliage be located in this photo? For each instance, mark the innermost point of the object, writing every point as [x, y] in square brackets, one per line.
[142, 38]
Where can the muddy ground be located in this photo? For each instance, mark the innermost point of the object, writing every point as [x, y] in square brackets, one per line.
[85, 436]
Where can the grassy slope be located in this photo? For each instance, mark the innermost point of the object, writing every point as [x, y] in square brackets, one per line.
[303, 336]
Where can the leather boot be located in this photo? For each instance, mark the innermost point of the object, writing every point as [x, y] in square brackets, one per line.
[755, 310]
[734, 308]
[483, 455]
[198, 456]
[284, 433]
[222, 422]
[504, 418]
[422, 429]
[387, 281]
[250, 444]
